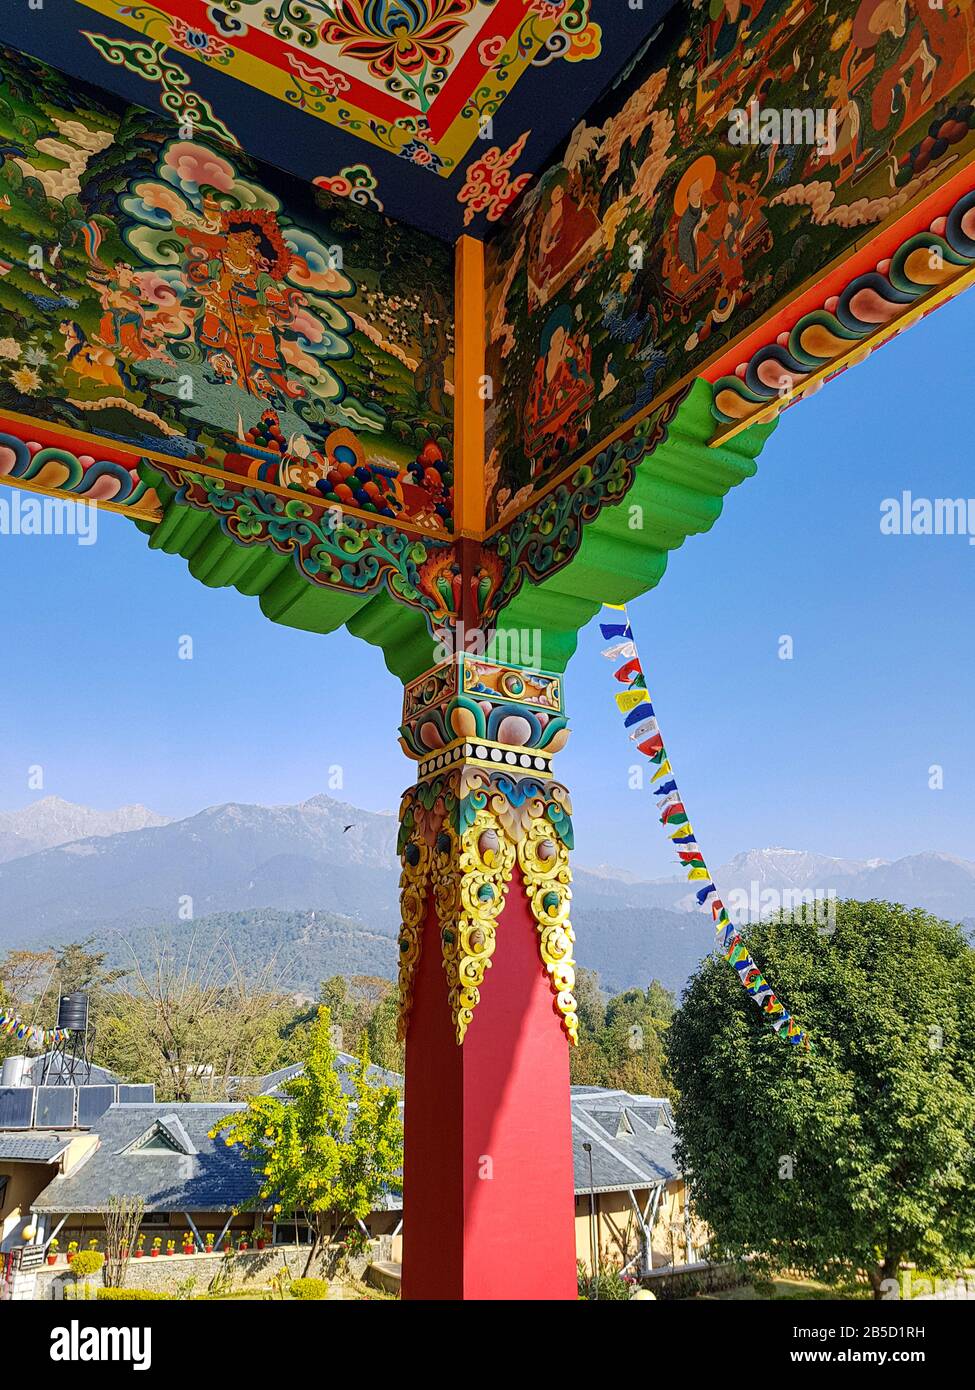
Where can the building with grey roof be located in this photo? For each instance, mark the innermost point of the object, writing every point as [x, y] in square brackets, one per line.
[631, 1199]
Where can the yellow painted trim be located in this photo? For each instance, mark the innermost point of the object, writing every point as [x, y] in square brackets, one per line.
[255, 72]
[140, 511]
[470, 502]
[857, 351]
[191, 465]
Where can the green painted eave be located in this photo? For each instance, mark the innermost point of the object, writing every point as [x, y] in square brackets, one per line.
[286, 596]
[680, 488]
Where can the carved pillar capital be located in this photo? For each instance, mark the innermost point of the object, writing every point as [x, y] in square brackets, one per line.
[485, 810]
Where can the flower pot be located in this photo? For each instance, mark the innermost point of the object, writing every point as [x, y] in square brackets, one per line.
[242, 1246]
[226, 1249]
[139, 1254]
[52, 1259]
[208, 1249]
[260, 1244]
[189, 1249]
[153, 1253]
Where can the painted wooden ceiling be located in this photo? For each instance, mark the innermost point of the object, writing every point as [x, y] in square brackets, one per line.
[439, 112]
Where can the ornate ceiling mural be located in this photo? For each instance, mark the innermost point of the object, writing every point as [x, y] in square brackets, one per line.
[180, 299]
[416, 76]
[439, 111]
[754, 147]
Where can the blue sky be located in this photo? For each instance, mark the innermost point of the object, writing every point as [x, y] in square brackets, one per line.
[829, 751]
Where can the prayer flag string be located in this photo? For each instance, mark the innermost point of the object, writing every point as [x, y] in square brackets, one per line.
[640, 721]
[11, 1025]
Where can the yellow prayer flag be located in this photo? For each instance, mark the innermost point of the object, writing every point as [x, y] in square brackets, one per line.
[629, 699]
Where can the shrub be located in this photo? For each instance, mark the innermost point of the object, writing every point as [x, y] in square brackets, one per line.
[607, 1285]
[135, 1295]
[86, 1263]
[309, 1288]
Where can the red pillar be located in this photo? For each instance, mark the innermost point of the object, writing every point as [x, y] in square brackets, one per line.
[488, 1187]
[487, 1012]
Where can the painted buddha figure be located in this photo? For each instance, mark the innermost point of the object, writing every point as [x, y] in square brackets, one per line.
[562, 391]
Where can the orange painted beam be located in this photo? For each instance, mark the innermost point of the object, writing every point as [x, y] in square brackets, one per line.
[470, 503]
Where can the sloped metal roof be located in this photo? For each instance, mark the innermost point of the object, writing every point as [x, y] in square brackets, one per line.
[216, 1178]
[20, 1148]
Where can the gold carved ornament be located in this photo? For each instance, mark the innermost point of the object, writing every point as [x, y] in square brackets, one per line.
[470, 873]
[544, 862]
[414, 882]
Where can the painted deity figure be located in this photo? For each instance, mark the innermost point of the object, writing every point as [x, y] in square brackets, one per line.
[874, 104]
[567, 232]
[561, 394]
[731, 22]
[244, 308]
[122, 313]
[715, 218]
[714, 215]
[88, 361]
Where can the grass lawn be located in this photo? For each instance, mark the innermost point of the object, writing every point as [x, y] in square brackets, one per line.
[792, 1288]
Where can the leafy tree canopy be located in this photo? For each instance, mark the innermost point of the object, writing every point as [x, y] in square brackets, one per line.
[858, 1155]
[621, 1039]
[328, 1155]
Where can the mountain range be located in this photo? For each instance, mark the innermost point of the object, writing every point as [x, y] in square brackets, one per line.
[52, 821]
[315, 885]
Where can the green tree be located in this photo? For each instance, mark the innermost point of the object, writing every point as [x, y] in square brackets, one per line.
[632, 1041]
[188, 1023]
[856, 1156]
[384, 1047]
[31, 981]
[320, 1152]
[590, 1001]
[351, 1001]
[621, 1039]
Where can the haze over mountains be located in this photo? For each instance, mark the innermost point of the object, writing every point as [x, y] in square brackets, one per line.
[316, 884]
[52, 821]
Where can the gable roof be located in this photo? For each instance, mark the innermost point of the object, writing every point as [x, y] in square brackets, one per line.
[202, 1174]
[170, 1129]
[631, 1138]
[271, 1084]
[632, 1146]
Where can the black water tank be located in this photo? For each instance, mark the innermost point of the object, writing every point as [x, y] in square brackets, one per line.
[73, 1012]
